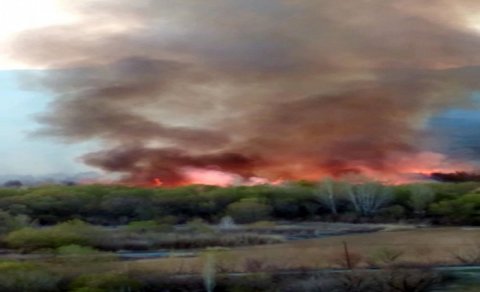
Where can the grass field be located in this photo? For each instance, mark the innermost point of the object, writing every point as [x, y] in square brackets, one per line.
[425, 246]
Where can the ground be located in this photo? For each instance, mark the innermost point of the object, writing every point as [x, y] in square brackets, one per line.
[423, 246]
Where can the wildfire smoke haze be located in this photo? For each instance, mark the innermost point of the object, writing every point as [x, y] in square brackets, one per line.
[221, 92]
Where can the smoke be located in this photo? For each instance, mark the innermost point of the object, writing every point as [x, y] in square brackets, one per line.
[256, 89]
[458, 176]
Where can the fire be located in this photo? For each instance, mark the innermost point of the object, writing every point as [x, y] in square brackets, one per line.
[210, 176]
[157, 182]
[214, 177]
[414, 168]
[398, 170]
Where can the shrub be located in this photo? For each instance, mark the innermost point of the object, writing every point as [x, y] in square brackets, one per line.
[249, 210]
[254, 265]
[464, 209]
[74, 249]
[421, 197]
[395, 212]
[407, 280]
[469, 254]
[72, 232]
[262, 225]
[16, 276]
[73, 254]
[9, 223]
[386, 256]
[198, 226]
[148, 226]
[167, 220]
[341, 259]
[106, 282]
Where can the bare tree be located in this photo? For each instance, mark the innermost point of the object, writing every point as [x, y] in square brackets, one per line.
[368, 197]
[326, 194]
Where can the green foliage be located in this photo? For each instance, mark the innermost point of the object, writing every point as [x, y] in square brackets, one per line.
[198, 226]
[11, 192]
[18, 276]
[262, 224]
[108, 282]
[148, 226]
[249, 210]
[421, 197]
[71, 232]
[386, 255]
[462, 210]
[77, 250]
[9, 223]
[77, 254]
[395, 212]
[121, 205]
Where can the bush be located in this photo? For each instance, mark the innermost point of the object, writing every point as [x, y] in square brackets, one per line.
[339, 259]
[462, 210]
[9, 223]
[198, 226]
[249, 210]
[405, 280]
[72, 232]
[421, 197]
[262, 225]
[108, 282]
[76, 250]
[385, 256]
[392, 280]
[395, 212]
[148, 226]
[16, 276]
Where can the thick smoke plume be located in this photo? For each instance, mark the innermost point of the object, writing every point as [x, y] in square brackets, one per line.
[257, 89]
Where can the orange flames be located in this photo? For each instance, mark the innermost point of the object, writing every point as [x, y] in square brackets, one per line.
[157, 182]
[399, 170]
[215, 177]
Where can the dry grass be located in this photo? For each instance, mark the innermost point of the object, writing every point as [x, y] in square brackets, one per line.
[428, 246]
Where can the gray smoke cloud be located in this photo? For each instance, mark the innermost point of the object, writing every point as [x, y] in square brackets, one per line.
[276, 89]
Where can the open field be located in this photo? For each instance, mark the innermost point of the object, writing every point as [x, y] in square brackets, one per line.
[403, 255]
[425, 246]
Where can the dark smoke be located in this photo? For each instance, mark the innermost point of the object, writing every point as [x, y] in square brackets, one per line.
[276, 89]
[146, 164]
[458, 176]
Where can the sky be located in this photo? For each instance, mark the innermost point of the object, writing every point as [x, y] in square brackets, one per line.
[22, 153]
[220, 92]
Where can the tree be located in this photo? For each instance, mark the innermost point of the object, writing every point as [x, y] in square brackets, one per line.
[368, 197]
[462, 210]
[326, 194]
[13, 184]
[9, 222]
[421, 196]
[249, 210]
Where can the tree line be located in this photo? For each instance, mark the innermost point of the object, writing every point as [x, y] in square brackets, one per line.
[363, 201]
